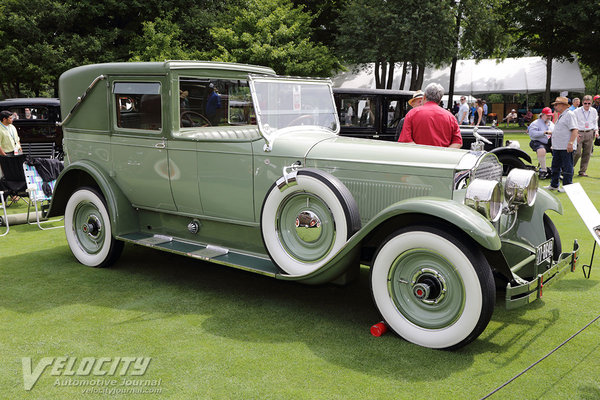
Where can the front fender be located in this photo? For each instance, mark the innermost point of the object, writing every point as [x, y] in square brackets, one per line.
[457, 214]
[511, 151]
[79, 174]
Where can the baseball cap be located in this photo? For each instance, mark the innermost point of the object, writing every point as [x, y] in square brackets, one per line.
[547, 111]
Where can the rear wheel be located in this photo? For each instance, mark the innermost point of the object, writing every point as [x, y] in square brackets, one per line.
[88, 229]
[433, 289]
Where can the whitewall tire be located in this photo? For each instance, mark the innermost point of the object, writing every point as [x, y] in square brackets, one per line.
[88, 229]
[305, 224]
[431, 288]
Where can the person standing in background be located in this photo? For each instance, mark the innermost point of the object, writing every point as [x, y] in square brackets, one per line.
[10, 143]
[587, 124]
[564, 142]
[463, 112]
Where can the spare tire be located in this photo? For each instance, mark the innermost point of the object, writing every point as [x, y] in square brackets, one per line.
[307, 220]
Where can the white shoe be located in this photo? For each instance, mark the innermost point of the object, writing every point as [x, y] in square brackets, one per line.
[549, 187]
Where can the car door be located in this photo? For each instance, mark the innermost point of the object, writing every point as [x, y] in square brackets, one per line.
[139, 144]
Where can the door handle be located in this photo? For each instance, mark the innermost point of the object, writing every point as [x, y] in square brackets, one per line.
[160, 145]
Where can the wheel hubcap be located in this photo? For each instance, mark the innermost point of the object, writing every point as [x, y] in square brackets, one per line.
[426, 288]
[305, 227]
[89, 227]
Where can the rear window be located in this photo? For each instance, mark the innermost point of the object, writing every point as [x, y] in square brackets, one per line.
[138, 105]
[29, 112]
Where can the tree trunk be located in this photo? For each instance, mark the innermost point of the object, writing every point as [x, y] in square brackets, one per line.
[451, 83]
[455, 58]
[548, 79]
[377, 78]
[421, 76]
[390, 78]
[414, 71]
[403, 79]
[383, 74]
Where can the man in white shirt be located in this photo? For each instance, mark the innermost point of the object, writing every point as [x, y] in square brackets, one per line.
[463, 112]
[10, 143]
[587, 123]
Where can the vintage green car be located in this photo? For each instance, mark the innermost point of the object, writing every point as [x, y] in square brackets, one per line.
[231, 164]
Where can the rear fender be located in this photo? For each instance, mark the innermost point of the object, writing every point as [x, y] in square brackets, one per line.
[79, 174]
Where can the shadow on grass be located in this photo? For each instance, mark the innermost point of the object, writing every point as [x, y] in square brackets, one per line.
[332, 321]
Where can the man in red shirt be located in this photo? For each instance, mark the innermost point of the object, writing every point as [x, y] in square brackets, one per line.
[431, 124]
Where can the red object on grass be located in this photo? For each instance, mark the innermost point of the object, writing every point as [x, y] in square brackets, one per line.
[379, 329]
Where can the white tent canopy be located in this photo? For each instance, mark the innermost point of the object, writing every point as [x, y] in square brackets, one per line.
[511, 75]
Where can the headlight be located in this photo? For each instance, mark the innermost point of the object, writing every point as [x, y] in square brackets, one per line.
[521, 187]
[485, 197]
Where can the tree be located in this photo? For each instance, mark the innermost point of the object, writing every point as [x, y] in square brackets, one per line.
[478, 33]
[547, 29]
[273, 33]
[389, 31]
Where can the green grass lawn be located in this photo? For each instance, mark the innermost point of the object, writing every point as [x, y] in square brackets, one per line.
[219, 333]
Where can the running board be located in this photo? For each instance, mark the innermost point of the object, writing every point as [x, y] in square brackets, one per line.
[210, 253]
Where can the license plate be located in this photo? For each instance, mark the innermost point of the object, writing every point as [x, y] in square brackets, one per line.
[544, 251]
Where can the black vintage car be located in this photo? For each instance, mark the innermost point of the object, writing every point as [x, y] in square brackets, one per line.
[36, 125]
[375, 113]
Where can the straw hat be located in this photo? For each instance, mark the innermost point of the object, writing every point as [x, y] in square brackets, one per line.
[417, 95]
[561, 100]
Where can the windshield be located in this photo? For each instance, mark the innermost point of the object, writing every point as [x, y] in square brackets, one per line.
[286, 102]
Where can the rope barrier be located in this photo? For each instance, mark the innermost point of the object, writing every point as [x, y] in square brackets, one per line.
[540, 360]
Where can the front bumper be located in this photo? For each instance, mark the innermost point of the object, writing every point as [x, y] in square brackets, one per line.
[520, 295]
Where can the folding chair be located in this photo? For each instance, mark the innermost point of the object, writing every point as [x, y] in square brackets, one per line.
[13, 182]
[36, 195]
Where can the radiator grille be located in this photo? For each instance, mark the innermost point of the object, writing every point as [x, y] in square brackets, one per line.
[373, 196]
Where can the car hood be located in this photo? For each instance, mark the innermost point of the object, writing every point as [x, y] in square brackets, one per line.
[377, 155]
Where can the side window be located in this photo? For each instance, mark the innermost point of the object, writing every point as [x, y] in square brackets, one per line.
[138, 105]
[357, 111]
[214, 102]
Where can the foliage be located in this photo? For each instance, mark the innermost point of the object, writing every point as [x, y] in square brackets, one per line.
[272, 33]
[160, 40]
[549, 30]
[386, 32]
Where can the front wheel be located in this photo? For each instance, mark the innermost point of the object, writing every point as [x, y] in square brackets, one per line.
[88, 229]
[431, 288]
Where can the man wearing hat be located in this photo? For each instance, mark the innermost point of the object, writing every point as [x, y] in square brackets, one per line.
[414, 102]
[564, 142]
[431, 124]
[587, 124]
[596, 104]
[540, 131]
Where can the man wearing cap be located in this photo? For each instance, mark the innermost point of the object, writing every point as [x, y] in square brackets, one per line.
[431, 124]
[511, 117]
[463, 112]
[416, 101]
[564, 142]
[540, 131]
[596, 104]
[587, 124]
